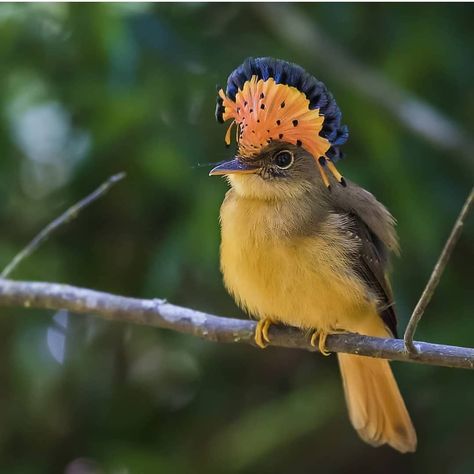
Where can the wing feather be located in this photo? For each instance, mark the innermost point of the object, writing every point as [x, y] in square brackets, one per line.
[374, 228]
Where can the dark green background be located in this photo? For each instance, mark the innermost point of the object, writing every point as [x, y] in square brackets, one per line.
[89, 90]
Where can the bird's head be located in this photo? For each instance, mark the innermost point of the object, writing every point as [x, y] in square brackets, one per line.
[288, 129]
[280, 170]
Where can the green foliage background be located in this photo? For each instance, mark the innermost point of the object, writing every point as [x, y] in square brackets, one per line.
[90, 90]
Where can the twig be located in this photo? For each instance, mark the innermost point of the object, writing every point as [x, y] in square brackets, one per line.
[159, 313]
[436, 275]
[299, 32]
[64, 218]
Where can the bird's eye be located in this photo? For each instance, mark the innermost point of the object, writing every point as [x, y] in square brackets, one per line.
[284, 159]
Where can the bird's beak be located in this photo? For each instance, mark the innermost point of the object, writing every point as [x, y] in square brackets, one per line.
[234, 166]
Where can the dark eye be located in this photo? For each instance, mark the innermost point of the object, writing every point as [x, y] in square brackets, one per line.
[284, 159]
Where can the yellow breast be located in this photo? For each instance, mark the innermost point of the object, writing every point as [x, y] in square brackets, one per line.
[300, 280]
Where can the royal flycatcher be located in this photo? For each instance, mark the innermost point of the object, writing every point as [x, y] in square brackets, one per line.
[300, 244]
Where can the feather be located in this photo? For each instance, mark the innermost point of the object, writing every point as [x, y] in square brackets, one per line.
[376, 408]
[283, 73]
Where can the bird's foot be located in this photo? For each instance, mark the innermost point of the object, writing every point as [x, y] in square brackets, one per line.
[261, 332]
[318, 339]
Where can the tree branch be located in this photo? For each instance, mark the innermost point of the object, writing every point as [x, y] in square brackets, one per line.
[64, 218]
[436, 274]
[159, 313]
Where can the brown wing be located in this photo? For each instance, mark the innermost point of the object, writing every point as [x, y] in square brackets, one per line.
[373, 226]
[371, 265]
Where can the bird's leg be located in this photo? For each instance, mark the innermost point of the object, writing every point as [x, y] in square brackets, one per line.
[320, 336]
[261, 332]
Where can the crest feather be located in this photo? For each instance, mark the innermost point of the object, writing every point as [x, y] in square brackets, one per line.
[294, 76]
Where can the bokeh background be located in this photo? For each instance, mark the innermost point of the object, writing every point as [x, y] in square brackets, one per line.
[90, 90]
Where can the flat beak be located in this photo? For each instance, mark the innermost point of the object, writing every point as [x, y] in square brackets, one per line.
[234, 166]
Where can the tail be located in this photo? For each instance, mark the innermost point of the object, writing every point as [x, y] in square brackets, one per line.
[376, 408]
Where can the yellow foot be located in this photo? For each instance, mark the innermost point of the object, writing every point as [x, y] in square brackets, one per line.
[320, 336]
[261, 332]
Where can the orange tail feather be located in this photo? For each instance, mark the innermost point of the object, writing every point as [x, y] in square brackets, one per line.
[376, 408]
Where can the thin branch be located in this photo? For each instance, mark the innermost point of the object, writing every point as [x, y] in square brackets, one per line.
[436, 274]
[64, 218]
[304, 36]
[159, 313]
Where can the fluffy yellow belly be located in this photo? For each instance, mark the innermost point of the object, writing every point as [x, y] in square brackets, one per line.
[301, 281]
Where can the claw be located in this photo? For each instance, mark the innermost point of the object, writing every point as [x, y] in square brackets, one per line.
[320, 336]
[261, 333]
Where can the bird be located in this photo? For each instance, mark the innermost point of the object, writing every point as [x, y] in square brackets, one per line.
[300, 244]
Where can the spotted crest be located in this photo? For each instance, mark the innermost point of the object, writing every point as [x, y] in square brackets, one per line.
[271, 100]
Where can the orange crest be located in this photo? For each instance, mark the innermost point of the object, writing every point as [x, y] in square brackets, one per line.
[273, 100]
[265, 111]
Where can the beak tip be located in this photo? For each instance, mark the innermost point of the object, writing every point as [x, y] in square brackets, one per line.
[215, 172]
